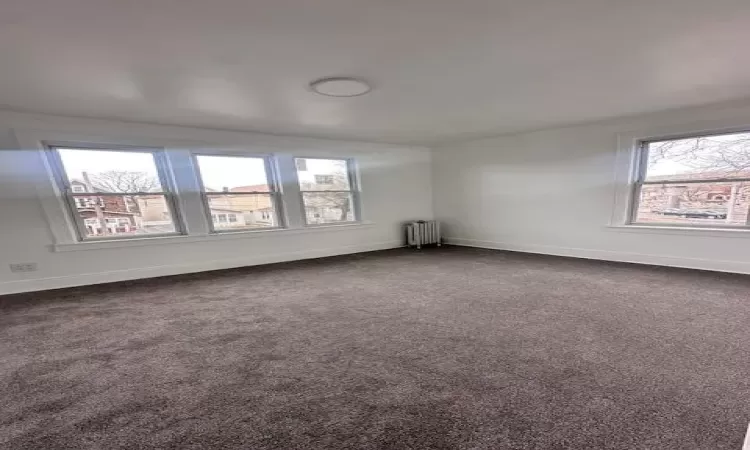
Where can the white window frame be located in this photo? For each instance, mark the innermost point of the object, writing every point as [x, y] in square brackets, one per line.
[66, 191]
[274, 192]
[626, 170]
[640, 168]
[178, 153]
[354, 190]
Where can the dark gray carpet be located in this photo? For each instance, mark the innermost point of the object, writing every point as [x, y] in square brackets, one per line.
[452, 348]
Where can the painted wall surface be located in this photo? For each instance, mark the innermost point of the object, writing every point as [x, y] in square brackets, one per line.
[549, 191]
[396, 186]
[554, 192]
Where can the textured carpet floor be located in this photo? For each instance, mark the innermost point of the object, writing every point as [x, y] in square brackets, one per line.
[452, 348]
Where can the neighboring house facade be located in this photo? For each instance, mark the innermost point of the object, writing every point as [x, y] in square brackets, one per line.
[103, 215]
[153, 209]
[110, 214]
[230, 210]
[730, 198]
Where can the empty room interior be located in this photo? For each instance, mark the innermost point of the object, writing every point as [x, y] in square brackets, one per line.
[350, 224]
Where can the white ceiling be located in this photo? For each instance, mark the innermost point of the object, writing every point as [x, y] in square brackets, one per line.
[441, 68]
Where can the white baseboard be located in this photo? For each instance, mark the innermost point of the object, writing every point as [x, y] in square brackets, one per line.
[40, 284]
[606, 255]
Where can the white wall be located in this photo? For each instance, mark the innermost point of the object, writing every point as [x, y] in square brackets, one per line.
[548, 191]
[553, 192]
[395, 187]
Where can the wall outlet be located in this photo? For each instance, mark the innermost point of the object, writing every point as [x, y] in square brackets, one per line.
[23, 267]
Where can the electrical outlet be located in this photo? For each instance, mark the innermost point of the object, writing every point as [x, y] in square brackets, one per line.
[23, 267]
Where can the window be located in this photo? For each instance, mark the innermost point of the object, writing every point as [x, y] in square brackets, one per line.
[236, 189]
[115, 193]
[696, 181]
[327, 188]
[323, 179]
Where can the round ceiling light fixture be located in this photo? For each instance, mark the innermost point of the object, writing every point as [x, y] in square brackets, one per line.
[340, 87]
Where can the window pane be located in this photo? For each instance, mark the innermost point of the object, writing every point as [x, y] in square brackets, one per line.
[328, 207]
[233, 174]
[718, 204]
[323, 174]
[124, 215]
[110, 171]
[232, 212]
[721, 156]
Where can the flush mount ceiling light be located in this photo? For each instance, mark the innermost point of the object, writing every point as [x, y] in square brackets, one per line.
[340, 87]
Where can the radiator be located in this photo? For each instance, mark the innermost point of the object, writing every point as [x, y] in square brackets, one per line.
[423, 232]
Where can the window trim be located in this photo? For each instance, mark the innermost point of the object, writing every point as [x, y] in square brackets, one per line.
[637, 179]
[178, 152]
[274, 192]
[67, 196]
[181, 239]
[354, 190]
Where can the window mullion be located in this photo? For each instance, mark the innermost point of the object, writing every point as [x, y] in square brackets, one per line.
[188, 191]
[168, 183]
[291, 201]
[355, 188]
[640, 164]
[274, 186]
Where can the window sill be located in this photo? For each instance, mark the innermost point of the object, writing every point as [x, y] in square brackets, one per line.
[682, 231]
[185, 239]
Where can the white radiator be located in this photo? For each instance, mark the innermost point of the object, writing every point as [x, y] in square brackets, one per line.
[423, 232]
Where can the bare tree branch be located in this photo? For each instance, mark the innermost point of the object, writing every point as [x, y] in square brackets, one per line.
[124, 181]
[726, 155]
